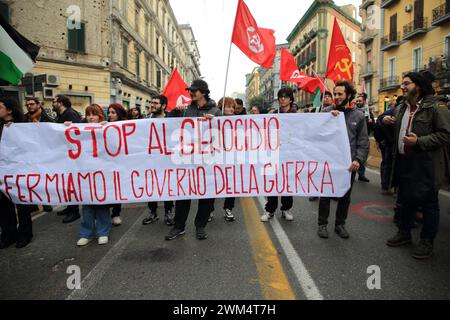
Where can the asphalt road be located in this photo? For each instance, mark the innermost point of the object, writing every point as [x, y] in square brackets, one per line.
[245, 259]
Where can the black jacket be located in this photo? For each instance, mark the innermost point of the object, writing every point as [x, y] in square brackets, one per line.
[69, 115]
[44, 117]
[192, 111]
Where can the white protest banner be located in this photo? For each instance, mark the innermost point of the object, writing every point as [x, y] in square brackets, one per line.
[175, 158]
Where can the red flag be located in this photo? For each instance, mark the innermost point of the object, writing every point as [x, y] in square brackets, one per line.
[256, 43]
[175, 91]
[288, 68]
[340, 66]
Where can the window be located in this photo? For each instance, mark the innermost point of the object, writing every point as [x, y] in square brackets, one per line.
[391, 68]
[447, 46]
[76, 38]
[164, 51]
[125, 8]
[4, 11]
[138, 65]
[369, 90]
[157, 44]
[158, 77]
[147, 31]
[136, 19]
[125, 53]
[147, 71]
[417, 59]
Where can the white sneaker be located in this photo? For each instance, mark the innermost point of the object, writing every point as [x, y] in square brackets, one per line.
[83, 242]
[116, 221]
[266, 216]
[287, 215]
[102, 240]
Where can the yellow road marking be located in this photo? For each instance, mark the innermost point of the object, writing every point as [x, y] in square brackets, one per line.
[273, 281]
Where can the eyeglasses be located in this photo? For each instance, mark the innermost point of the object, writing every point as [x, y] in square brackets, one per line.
[406, 83]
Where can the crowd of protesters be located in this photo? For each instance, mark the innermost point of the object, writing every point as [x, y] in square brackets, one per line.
[412, 136]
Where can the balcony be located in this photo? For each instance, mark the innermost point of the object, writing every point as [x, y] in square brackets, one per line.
[367, 36]
[366, 3]
[387, 3]
[389, 83]
[392, 40]
[367, 71]
[441, 14]
[415, 28]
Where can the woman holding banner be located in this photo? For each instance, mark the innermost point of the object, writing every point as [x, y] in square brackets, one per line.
[228, 110]
[96, 220]
[286, 101]
[21, 234]
[116, 113]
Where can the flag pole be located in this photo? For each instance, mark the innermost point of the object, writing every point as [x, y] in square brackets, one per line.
[226, 77]
[228, 62]
[324, 88]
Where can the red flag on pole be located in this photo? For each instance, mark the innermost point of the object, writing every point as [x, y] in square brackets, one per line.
[288, 68]
[290, 72]
[175, 91]
[256, 43]
[340, 66]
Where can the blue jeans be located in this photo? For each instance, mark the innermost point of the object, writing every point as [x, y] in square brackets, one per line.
[430, 222]
[96, 221]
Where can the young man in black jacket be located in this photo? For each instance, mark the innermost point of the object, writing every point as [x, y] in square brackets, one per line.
[202, 106]
[63, 108]
[356, 124]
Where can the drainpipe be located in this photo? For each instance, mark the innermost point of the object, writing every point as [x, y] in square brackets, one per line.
[381, 59]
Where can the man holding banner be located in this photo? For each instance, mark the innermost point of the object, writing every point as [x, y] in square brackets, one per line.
[201, 106]
[344, 93]
[158, 110]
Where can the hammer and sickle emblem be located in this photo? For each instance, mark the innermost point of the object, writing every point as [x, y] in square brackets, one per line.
[344, 69]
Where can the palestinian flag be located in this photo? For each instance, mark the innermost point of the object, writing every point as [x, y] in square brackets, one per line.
[17, 54]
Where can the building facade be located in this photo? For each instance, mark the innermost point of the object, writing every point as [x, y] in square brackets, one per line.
[369, 11]
[102, 51]
[416, 37]
[253, 84]
[270, 81]
[311, 37]
[193, 61]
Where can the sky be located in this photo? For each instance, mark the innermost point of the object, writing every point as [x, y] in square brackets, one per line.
[212, 22]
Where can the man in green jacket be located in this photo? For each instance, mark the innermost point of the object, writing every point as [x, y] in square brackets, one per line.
[422, 131]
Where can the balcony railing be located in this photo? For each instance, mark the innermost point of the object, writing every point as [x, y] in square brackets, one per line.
[415, 27]
[390, 41]
[368, 35]
[389, 83]
[367, 70]
[441, 14]
[387, 3]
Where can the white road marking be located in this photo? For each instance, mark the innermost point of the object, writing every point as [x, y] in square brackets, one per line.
[97, 273]
[303, 277]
